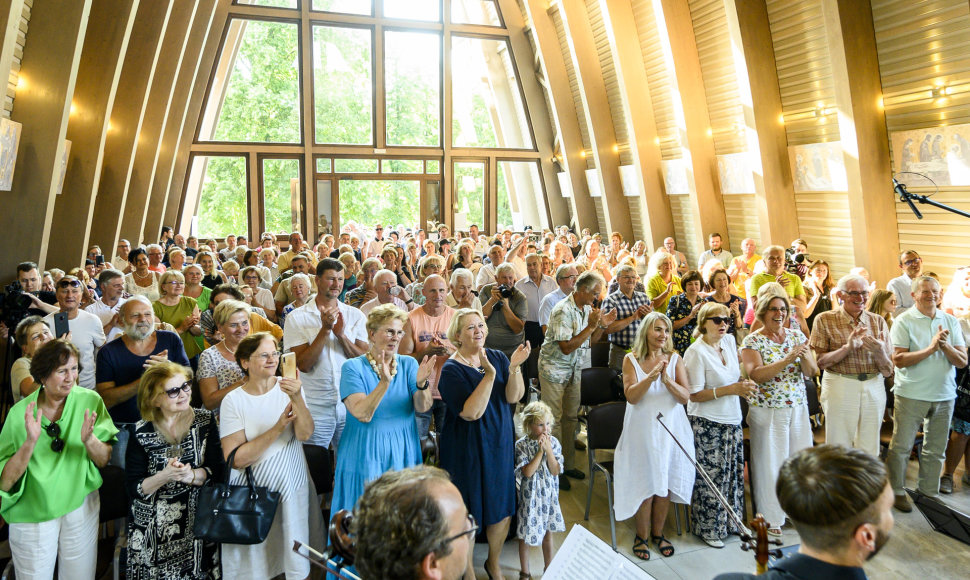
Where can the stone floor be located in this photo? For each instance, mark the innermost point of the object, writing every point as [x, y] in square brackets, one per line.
[914, 550]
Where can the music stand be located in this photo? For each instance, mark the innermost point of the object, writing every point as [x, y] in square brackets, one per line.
[942, 517]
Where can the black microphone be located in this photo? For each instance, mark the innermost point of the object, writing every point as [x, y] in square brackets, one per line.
[904, 195]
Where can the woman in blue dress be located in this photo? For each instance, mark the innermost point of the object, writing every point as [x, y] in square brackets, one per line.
[477, 440]
[382, 390]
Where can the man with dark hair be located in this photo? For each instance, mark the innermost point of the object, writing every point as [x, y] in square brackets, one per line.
[413, 525]
[840, 502]
[30, 282]
[323, 334]
[716, 252]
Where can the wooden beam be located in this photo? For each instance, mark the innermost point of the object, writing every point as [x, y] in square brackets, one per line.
[748, 26]
[10, 12]
[48, 72]
[160, 93]
[175, 123]
[628, 60]
[863, 134]
[563, 111]
[105, 45]
[124, 133]
[596, 108]
[557, 210]
[694, 122]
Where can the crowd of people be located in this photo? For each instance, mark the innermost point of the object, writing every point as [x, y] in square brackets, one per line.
[165, 361]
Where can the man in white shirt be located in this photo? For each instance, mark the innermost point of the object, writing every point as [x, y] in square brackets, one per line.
[912, 266]
[375, 246]
[229, 251]
[112, 297]
[323, 334]
[388, 292]
[566, 275]
[486, 274]
[86, 330]
[480, 241]
[120, 261]
[535, 286]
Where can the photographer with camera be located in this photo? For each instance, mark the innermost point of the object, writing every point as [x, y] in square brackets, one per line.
[29, 282]
[797, 261]
[505, 309]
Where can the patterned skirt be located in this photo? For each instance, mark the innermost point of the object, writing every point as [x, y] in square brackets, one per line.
[719, 450]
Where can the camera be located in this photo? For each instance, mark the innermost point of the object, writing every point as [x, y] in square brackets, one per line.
[505, 291]
[15, 304]
[796, 263]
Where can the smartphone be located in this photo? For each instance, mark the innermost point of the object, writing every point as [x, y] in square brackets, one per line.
[61, 326]
[99, 260]
[288, 365]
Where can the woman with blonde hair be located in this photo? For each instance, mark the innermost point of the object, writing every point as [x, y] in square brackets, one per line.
[180, 311]
[173, 451]
[219, 373]
[650, 470]
[210, 276]
[662, 281]
[382, 391]
[883, 303]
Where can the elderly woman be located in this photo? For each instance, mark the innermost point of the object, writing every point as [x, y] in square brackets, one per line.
[464, 258]
[180, 311]
[392, 262]
[662, 282]
[883, 303]
[51, 446]
[478, 386]
[174, 450]
[462, 294]
[366, 290]
[262, 297]
[382, 391]
[141, 280]
[219, 373]
[411, 259]
[267, 261]
[720, 283]
[682, 310]
[263, 422]
[31, 333]
[176, 258]
[427, 266]
[650, 470]
[193, 286]
[640, 256]
[351, 269]
[210, 276]
[715, 417]
[778, 359]
[230, 269]
[300, 289]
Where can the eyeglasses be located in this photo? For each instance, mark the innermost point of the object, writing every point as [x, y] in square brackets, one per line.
[719, 320]
[472, 528]
[783, 310]
[391, 333]
[54, 431]
[912, 262]
[268, 356]
[176, 283]
[183, 388]
[73, 283]
[854, 294]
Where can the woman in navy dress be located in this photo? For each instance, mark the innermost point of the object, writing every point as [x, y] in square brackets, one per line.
[478, 438]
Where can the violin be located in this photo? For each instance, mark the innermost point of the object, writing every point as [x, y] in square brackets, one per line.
[341, 552]
[754, 539]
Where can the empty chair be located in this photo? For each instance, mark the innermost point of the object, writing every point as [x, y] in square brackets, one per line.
[596, 386]
[600, 354]
[603, 427]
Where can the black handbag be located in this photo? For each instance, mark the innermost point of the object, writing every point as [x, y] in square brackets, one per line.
[235, 514]
[961, 407]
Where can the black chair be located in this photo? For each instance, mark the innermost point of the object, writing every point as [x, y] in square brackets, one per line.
[320, 463]
[815, 414]
[604, 425]
[600, 354]
[596, 386]
[114, 507]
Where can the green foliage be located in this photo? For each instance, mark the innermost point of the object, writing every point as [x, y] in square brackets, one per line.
[470, 191]
[372, 201]
[222, 202]
[342, 85]
[412, 81]
[281, 210]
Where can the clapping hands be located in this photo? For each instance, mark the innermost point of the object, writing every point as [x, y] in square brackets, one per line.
[520, 355]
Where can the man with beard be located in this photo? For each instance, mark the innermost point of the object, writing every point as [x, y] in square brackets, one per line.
[122, 362]
[840, 502]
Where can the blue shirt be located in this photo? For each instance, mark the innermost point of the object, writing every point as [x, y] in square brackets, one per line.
[118, 365]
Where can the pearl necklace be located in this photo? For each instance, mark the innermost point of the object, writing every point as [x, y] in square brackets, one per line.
[479, 368]
[377, 367]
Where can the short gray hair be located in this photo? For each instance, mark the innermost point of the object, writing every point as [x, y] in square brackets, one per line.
[919, 280]
[562, 271]
[109, 275]
[505, 266]
[843, 284]
[587, 280]
[460, 273]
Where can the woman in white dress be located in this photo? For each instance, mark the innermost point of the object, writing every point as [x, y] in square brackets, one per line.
[651, 471]
[266, 419]
[141, 280]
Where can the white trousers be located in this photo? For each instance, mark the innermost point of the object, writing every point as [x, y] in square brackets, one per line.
[71, 540]
[776, 434]
[853, 410]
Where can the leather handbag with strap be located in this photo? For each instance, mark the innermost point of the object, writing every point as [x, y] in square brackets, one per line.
[235, 514]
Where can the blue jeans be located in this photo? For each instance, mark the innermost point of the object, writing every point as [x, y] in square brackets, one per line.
[423, 420]
[120, 448]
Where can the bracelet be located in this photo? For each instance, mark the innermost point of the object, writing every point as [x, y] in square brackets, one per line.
[427, 383]
[715, 393]
[516, 371]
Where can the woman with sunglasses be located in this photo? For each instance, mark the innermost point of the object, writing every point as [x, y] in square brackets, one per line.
[382, 391]
[264, 421]
[52, 444]
[173, 451]
[714, 410]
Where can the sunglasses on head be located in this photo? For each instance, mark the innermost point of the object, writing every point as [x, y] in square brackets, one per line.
[720, 320]
[73, 283]
[183, 388]
[54, 431]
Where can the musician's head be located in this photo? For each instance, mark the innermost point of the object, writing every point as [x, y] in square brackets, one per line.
[412, 524]
[839, 500]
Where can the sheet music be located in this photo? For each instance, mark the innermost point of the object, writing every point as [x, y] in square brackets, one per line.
[583, 554]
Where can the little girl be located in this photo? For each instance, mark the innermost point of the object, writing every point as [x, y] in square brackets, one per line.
[538, 463]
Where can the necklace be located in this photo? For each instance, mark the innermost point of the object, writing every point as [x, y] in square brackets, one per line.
[479, 368]
[377, 367]
[139, 276]
[230, 351]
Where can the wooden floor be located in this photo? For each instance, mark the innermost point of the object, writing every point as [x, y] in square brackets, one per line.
[914, 550]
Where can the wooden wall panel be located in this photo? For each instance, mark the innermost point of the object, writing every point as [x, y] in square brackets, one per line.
[683, 215]
[825, 225]
[105, 45]
[659, 77]
[741, 211]
[574, 89]
[15, 16]
[48, 73]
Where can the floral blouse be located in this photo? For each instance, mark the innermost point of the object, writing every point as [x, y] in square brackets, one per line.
[680, 307]
[787, 388]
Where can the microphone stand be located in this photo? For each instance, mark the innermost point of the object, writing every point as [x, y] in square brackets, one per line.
[325, 561]
[904, 195]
